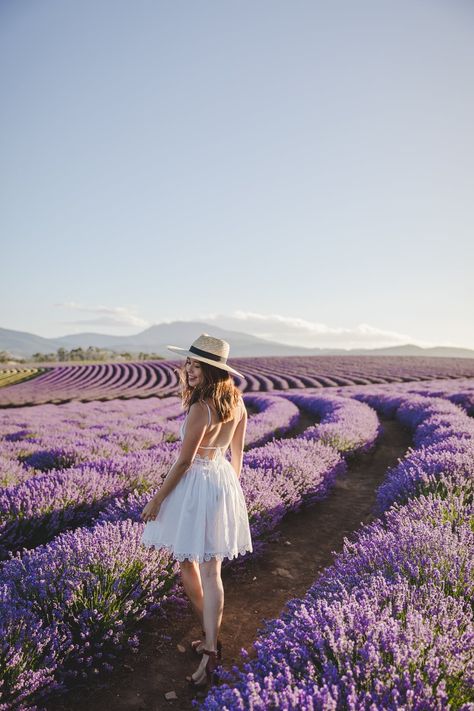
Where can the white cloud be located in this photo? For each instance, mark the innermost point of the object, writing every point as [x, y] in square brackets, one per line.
[290, 330]
[106, 316]
[310, 334]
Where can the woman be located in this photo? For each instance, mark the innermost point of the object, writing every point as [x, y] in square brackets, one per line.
[199, 514]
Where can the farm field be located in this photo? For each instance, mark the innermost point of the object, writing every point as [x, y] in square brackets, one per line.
[358, 475]
[106, 381]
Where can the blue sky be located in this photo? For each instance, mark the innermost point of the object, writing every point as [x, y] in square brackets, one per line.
[300, 170]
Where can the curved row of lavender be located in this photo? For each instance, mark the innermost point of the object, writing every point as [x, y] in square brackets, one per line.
[275, 417]
[105, 381]
[460, 391]
[390, 624]
[443, 455]
[281, 475]
[34, 511]
[57, 437]
[68, 607]
[93, 382]
[84, 472]
[345, 426]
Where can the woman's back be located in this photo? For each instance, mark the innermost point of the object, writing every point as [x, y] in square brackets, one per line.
[219, 435]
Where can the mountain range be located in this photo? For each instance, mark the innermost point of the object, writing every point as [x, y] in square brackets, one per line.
[182, 333]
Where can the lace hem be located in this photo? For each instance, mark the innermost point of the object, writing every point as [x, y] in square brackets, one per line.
[195, 557]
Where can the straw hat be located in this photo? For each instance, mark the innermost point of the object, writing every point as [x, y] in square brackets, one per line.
[210, 350]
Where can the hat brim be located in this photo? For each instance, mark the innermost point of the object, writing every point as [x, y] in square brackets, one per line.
[222, 366]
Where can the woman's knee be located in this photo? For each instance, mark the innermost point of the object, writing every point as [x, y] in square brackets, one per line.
[210, 569]
[188, 565]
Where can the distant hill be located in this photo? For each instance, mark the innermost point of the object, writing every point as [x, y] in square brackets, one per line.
[180, 333]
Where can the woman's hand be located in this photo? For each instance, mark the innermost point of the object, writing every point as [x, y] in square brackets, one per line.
[150, 512]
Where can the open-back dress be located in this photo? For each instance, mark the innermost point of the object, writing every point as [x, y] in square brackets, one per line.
[205, 515]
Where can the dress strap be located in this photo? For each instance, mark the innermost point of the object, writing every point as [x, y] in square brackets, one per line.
[208, 447]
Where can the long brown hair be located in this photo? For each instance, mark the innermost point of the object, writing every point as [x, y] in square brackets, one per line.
[217, 386]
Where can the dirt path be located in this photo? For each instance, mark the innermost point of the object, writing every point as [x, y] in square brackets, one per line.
[259, 591]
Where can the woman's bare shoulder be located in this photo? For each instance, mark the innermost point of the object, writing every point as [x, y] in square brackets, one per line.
[198, 407]
[242, 410]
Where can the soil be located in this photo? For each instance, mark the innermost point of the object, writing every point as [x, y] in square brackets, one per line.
[254, 592]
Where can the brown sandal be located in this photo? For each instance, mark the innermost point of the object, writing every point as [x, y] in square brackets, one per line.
[195, 644]
[199, 652]
[211, 676]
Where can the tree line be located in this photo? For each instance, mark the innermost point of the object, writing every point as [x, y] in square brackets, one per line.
[80, 354]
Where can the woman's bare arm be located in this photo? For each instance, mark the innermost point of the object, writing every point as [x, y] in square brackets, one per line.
[238, 441]
[196, 425]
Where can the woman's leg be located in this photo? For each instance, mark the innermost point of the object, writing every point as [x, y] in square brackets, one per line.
[213, 603]
[191, 579]
[213, 607]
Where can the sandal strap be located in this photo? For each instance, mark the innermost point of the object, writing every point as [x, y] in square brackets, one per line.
[209, 652]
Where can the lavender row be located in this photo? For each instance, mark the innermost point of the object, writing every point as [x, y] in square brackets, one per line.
[389, 625]
[459, 391]
[275, 417]
[50, 437]
[38, 508]
[105, 381]
[345, 425]
[289, 372]
[288, 472]
[34, 511]
[442, 456]
[69, 608]
[284, 473]
[93, 382]
[39, 439]
[279, 480]
[74, 593]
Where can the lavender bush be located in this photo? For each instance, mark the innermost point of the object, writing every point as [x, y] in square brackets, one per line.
[68, 608]
[93, 582]
[390, 624]
[106, 381]
[347, 425]
[276, 416]
[45, 504]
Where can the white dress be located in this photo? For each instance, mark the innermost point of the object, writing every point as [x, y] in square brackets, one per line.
[205, 515]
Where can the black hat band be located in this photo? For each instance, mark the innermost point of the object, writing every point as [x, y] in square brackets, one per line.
[206, 354]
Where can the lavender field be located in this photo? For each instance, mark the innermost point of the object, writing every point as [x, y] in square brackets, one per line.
[388, 625]
[106, 381]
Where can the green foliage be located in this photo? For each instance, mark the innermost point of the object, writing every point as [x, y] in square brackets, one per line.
[92, 354]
